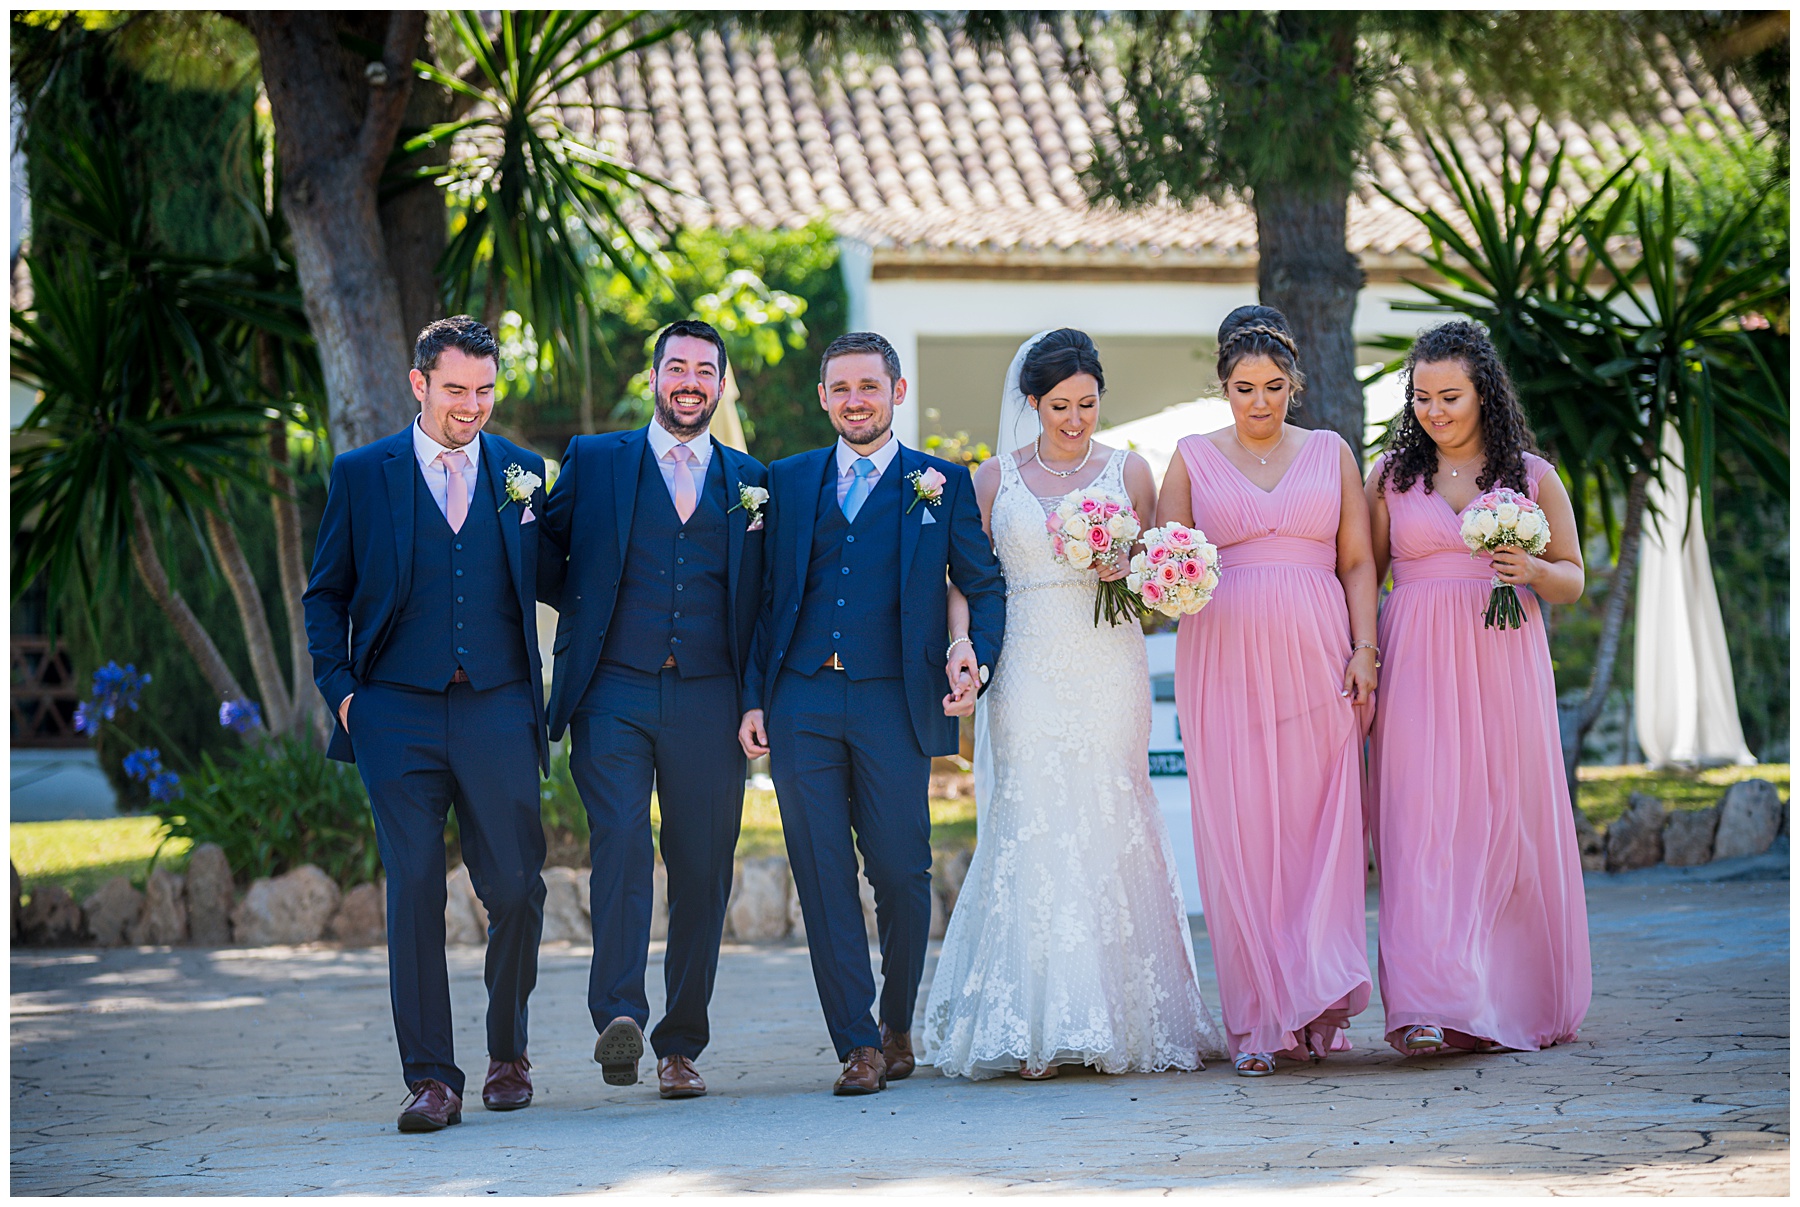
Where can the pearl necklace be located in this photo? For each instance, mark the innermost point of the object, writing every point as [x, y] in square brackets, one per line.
[1038, 454]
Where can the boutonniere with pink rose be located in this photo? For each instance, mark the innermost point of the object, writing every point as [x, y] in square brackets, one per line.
[928, 488]
[751, 500]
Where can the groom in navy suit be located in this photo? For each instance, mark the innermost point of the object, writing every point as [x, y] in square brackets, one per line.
[662, 529]
[843, 690]
[421, 621]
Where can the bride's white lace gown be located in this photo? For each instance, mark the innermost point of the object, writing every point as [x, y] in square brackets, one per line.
[1069, 943]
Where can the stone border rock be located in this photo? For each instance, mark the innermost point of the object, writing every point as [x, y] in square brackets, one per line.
[305, 906]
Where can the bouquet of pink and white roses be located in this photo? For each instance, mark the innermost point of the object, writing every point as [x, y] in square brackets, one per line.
[1496, 520]
[1091, 529]
[1177, 571]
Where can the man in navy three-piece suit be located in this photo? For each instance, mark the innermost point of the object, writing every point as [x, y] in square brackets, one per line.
[421, 621]
[662, 531]
[842, 690]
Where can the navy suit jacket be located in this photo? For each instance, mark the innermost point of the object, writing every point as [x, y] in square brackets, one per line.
[587, 528]
[362, 566]
[952, 542]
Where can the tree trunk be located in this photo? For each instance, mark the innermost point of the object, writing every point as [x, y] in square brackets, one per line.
[259, 640]
[414, 223]
[187, 626]
[307, 708]
[335, 117]
[1305, 271]
[1619, 596]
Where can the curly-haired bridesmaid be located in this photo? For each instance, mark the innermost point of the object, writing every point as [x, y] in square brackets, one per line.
[1483, 925]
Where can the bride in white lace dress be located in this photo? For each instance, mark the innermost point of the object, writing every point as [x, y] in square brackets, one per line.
[1069, 943]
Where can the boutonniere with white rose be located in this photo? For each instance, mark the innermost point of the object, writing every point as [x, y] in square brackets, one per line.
[928, 488]
[521, 484]
[751, 500]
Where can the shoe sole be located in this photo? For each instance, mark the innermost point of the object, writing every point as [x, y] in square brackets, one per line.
[682, 1093]
[618, 1051]
[505, 1106]
[425, 1123]
[857, 1091]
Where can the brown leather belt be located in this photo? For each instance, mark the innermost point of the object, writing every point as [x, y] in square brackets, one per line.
[833, 663]
[461, 676]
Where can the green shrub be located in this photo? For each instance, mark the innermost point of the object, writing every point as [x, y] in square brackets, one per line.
[276, 807]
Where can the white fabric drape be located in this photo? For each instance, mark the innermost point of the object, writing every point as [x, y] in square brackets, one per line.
[1686, 702]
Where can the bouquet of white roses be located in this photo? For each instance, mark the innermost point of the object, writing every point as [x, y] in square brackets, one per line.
[1498, 519]
[1177, 571]
[1091, 529]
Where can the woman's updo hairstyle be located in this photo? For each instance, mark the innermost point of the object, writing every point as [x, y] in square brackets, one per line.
[1057, 357]
[1411, 454]
[1251, 331]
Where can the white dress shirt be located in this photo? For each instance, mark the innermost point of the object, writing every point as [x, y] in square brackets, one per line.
[662, 440]
[846, 458]
[437, 478]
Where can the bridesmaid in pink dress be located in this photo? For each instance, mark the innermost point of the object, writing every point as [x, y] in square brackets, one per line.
[1484, 939]
[1274, 683]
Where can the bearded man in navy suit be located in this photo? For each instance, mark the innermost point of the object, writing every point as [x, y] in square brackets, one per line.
[421, 621]
[842, 690]
[662, 532]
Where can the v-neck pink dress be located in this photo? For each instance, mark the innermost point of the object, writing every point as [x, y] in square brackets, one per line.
[1483, 922]
[1274, 752]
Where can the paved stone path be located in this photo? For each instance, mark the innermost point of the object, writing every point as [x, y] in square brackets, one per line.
[232, 1071]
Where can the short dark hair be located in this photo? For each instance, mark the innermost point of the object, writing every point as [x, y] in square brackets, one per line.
[854, 342]
[1062, 354]
[693, 329]
[467, 335]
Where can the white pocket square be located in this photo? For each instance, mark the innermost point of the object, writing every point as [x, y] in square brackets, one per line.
[527, 517]
[929, 518]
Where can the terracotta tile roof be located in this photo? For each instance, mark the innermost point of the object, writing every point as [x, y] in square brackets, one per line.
[944, 152]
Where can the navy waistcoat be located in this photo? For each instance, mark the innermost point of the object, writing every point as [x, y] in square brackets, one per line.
[463, 609]
[674, 590]
[852, 601]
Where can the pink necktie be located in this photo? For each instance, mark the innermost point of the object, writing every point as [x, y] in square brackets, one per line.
[456, 495]
[685, 498]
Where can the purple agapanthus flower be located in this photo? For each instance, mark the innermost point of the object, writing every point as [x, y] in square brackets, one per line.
[240, 716]
[165, 786]
[85, 719]
[117, 687]
[143, 763]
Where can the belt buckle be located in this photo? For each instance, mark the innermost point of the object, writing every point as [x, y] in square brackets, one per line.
[835, 663]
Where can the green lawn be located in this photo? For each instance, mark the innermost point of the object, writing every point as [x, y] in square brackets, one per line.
[82, 854]
[1605, 790]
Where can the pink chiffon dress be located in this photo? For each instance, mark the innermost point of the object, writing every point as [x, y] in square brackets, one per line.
[1483, 924]
[1274, 753]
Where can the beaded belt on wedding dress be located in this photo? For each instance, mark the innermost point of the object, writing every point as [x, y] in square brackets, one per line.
[1074, 582]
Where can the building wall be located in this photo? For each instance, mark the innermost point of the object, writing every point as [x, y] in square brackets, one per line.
[957, 336]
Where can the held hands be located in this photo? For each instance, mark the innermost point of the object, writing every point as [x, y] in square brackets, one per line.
[1360, 678]
[1516, 567]
[964, 674]
[752, 736]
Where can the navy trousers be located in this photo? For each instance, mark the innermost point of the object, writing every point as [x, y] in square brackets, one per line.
[631, 732]
[844, 759]
[420, 753]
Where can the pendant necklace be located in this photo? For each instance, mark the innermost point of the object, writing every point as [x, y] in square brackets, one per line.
[1061, 473]
[1464, 465]
[1272, 452]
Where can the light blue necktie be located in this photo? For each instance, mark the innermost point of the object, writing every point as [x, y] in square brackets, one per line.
[858, 494]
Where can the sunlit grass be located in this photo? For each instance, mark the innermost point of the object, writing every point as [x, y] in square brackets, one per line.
[81, 855]
[1606, 790]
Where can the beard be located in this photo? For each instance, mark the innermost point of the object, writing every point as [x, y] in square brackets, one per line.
[866, 433]
[671, 420]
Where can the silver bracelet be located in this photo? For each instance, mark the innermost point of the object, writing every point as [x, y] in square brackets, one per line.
[951, 649]
[1366, 645]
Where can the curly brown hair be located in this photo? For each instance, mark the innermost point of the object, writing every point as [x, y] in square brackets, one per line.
[1505, 436]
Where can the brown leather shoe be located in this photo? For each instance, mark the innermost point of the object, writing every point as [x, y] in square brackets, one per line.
[676, 1077]
[508, 1086]
[864, 1073]
[618, 1051]
[896, 1049]
[432, 1107]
